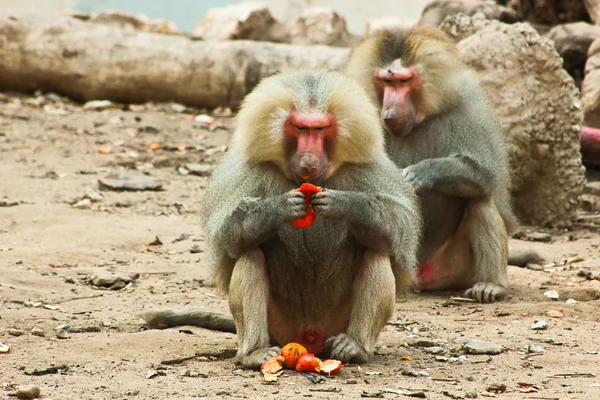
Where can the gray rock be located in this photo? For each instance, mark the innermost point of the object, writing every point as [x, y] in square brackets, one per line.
[433, 350]
[28, 392]
[539, 325]
[476, 346]
[539, 109]
[534, 349]
[38, 332]
[129, 183]
[539, 237]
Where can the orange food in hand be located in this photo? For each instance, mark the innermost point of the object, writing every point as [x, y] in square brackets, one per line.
[291, 352]
[309, 363]
[331, 367]
[272, 366]
[308, 189]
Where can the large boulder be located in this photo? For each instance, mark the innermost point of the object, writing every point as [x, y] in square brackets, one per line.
[321, 25]
[436, 10]
[550, 12]
[590, 88]
[572, 41]
[539, 109]
[251, 21]
[128, 22]
[593, 9]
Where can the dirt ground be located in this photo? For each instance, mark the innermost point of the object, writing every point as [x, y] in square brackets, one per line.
[49, 250]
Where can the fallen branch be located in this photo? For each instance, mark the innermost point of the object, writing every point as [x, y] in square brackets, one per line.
[87, 61]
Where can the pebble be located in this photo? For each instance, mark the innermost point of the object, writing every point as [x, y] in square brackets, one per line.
[534, 267]
[28, 392]
[534, 349]
[38, 332]
[84, 204]
[571, 301]
[539, 325]
[129, 183]
[476, 346]
[16, 332]
[552, 294]
[93, 195]
[98, 105]
[111, 281]
[196, 169]
[539, 237]
[204, 119]
[179, 108]
[62, 334]
[8, 203]
[433, 350]
[471, 394]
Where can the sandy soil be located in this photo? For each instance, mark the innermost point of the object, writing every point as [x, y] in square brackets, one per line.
[49, 250]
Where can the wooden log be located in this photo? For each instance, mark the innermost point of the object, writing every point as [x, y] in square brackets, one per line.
[87, 61]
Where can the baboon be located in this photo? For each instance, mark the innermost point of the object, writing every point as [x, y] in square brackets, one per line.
[332, 286]
[442, 133]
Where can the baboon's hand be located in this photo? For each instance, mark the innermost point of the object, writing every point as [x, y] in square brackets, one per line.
[292, 205]
[331, 203]
[419, 175]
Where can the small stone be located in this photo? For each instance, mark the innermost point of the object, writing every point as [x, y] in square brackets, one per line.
[351, 381]
[410, 372]
[8, 203]
[551, 294]
[441, 358]
[84, 204]
[28, 392]
[62, 334]
[539, 237]
[476, 346]
[93, 196]
[198, 169]
[129, 183]
[571, 301]
[534, 267]
[178, 108]
[148, 129]
[539, 325]
[424, 343]
[534, 349]
[496, 388]
[195, 249]
[471, 394]
[16, 332]
[98, 105]
[433, 350]
[111, 281]
[38, 332]
[189, 373]
[205, 119]
[586, 273]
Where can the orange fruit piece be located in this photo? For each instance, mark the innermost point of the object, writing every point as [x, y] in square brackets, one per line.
[291, 352]
[309, 363]
[272, 366]
[331, 367]
[308, 189]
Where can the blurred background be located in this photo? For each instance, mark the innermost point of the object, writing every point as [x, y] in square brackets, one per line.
[186, 13]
